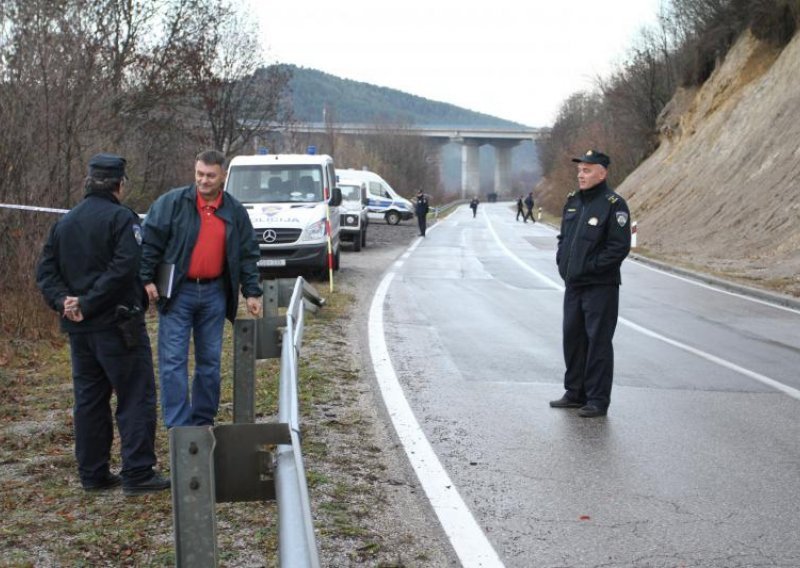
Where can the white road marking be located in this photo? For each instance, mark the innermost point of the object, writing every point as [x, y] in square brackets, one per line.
[700, 284]
[786, 389]
[466, 537]
[715, 289]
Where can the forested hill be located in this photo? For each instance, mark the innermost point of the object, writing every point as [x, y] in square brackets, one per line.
[355, 102]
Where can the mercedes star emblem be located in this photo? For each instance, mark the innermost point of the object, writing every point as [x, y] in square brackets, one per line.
[270, 236]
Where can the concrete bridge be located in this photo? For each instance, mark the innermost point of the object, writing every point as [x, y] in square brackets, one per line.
[471, 139]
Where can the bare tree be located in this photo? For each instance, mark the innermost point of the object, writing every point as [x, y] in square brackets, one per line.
[238, 95]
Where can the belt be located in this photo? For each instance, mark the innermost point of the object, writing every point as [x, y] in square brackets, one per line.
[202, 281]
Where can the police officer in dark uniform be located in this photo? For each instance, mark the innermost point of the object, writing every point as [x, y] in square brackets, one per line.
[89, 273]
[595, 238]
[421, 209]
[474, 206]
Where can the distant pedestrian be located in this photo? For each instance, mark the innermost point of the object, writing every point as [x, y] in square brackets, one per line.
[206, 234]
[474, 206]
[529, 208]
[595, 238]
[520, 210]
[89, 273]
[421, 208]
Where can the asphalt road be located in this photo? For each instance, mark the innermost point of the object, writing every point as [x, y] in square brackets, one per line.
[697, 463]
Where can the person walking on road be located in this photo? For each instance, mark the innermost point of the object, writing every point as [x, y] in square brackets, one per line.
[88, 272]
[474, 206]
[207, 236]
[529, 207]
[421, 208]
[520, 211]
[595, 238]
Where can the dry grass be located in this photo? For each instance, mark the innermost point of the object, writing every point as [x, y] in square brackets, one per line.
[48, 520]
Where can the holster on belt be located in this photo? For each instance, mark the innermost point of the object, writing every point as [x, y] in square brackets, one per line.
[129, 321]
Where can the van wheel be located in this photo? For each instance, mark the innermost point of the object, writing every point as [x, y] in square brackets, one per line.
[393, 217]
[364, 237]
[336, 259]
[357, 241]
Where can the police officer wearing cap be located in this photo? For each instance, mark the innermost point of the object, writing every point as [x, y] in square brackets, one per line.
[595, 238]
[421, 208]
[88, 272]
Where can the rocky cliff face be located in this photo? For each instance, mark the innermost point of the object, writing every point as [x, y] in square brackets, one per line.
[722, 192]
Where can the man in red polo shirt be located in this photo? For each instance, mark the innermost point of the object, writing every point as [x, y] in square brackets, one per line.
[206, 234]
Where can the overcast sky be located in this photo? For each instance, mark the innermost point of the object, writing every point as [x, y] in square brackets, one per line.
[514, 59]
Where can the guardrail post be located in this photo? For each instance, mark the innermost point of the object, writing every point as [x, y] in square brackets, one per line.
[267, 345]
[193, 496]
[244, 371]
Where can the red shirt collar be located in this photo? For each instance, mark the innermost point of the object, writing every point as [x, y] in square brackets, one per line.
[202, 203]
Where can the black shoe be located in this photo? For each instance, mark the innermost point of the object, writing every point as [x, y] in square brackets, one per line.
[108, 482]
[591, 411]
[565, 402]
[155, 483]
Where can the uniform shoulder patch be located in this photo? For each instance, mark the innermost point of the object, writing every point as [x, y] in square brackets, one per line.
[572, 194]
[137, 234]
[613, 199]
[622, 218]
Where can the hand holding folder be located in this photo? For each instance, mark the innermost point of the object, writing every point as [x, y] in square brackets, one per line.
[165, 279]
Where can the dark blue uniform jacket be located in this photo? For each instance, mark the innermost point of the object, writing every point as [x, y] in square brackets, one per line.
[595, 237]
[170, 233]
[93, 252]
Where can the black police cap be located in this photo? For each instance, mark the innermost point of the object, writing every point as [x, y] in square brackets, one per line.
[594, 157]
[107, 166]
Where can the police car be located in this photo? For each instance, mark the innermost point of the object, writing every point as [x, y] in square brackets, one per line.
[383, 201]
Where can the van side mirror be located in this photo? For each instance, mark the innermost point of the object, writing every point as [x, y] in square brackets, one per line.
[336, 197]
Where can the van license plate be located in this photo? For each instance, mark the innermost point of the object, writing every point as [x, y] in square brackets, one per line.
[272, 262]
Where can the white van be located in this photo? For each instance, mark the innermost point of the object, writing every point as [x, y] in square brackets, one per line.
[383, 201]
[285, 195]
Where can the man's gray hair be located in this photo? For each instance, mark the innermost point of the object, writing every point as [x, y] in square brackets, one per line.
[212, 158]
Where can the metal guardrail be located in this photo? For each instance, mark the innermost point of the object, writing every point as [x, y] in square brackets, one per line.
[447, 206]
[245, 461]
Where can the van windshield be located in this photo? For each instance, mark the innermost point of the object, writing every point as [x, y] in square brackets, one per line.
[275, 183]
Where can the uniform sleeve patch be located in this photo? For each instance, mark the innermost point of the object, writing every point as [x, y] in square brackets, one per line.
[622, 218]
[137, 234]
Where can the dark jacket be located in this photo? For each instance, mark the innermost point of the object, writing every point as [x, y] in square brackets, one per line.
[529, 202]
[93, 253]
[171, 228]
[421, 207]
[595, 237]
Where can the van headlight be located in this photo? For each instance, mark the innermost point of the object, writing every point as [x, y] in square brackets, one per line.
[350, 220]
[315, 231]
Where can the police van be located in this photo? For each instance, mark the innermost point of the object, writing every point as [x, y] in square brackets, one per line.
[293, 203]
[383, 201]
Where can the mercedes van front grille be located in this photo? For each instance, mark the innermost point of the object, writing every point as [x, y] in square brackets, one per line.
[277, 236]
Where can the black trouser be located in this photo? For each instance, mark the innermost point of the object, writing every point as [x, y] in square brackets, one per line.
[519, 212]
[590, 318]
[422, 221]
[528, 214]
[101, 363]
